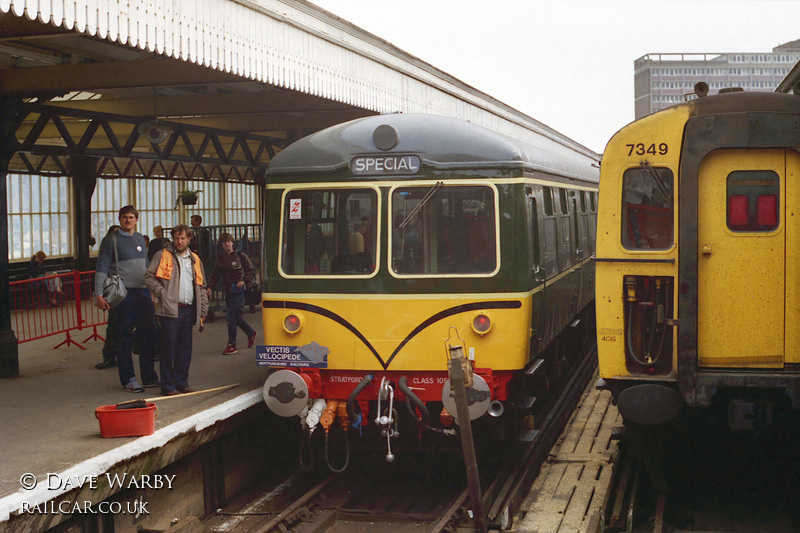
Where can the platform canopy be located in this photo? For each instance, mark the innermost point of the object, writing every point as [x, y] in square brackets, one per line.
[207, 89]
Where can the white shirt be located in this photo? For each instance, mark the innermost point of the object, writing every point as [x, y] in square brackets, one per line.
[186, 290]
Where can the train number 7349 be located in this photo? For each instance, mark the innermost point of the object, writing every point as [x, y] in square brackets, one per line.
[641, 149]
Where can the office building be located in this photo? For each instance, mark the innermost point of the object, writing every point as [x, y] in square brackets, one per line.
[663, 80]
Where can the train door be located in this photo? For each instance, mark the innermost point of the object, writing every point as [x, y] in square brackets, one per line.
[536, 246]
[792, 343]
[578, 252]
[741, 259]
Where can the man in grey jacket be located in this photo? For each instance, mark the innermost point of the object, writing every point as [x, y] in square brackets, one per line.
[136, 310]
[176, 280]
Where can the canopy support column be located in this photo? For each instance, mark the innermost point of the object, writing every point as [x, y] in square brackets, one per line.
[84, 181]
[9, 346]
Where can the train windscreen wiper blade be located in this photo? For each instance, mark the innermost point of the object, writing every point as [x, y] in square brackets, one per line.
[660, 183]
[419, 206]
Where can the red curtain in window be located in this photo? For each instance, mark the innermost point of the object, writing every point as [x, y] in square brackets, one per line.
[767, 210]
[737, 210]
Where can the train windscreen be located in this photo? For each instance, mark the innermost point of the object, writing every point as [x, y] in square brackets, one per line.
[647, 208]
[329, 232]
[443, 230]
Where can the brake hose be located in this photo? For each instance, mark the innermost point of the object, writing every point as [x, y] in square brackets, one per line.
[411, 397]
[347, 454]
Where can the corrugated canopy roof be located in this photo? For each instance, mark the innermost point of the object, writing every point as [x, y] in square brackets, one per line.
[275, 68]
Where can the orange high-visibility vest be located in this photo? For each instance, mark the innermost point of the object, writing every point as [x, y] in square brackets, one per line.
[165, 267]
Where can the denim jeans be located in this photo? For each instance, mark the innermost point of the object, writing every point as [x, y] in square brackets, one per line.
[234, 302]
[176, 349]
[135, 312]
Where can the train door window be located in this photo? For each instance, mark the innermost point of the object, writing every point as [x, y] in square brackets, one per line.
[648, 209]
[442, 230]
[562, 196]
[583, 201]
[593, 201]
[329, 232]
[534, 240]
[576, 233]
[548, 201]
[753, 204]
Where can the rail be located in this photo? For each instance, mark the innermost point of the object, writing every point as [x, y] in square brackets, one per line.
[52, 305]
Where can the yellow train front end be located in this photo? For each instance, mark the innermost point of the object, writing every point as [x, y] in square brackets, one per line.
[378, 333]
[342, 341]
[698, 265]
[637, 265]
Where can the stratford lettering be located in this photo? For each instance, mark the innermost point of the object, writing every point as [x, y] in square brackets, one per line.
[345, 379]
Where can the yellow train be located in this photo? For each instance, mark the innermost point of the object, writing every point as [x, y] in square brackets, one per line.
[391, 240]
[698, 259]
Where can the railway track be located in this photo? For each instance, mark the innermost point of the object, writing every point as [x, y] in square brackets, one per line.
[700, 476]
[423, 494]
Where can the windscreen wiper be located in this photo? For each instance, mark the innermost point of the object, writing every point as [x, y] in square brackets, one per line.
[419, 206]
[660, 183]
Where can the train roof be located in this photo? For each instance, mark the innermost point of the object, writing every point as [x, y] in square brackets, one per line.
[740, 102]
[746, 102]
[442, 143]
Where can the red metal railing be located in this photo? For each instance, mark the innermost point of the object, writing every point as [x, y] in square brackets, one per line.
[55, 304]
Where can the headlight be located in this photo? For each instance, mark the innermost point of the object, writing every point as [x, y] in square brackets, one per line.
[292, 323]
[481, 324]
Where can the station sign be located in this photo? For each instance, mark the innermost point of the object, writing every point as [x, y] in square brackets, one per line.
[311, 355]
[385, 165]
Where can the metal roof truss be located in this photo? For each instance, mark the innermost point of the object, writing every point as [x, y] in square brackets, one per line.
[43, 138]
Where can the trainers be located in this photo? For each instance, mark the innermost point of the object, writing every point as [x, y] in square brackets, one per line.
[133, 386]
[251, 339]
[230, 350]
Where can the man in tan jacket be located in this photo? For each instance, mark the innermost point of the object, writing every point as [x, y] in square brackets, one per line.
[176, 280]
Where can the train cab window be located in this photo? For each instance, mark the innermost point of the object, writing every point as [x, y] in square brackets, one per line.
[443, 229]
[753, 204]
[329, 232]
[648, 209]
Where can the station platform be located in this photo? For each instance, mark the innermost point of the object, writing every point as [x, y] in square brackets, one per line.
[570, 492]
[48, 417]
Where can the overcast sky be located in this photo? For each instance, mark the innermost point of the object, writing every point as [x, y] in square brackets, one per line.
[567, 63]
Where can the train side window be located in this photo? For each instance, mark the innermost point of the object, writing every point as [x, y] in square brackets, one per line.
[562, 196]
[753, 204]
[548, 201]
[648, 210]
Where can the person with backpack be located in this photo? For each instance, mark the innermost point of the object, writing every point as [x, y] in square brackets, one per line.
[236, 271]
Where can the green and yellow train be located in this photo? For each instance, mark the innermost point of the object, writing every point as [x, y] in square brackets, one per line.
[393, 239]
[698, 259]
